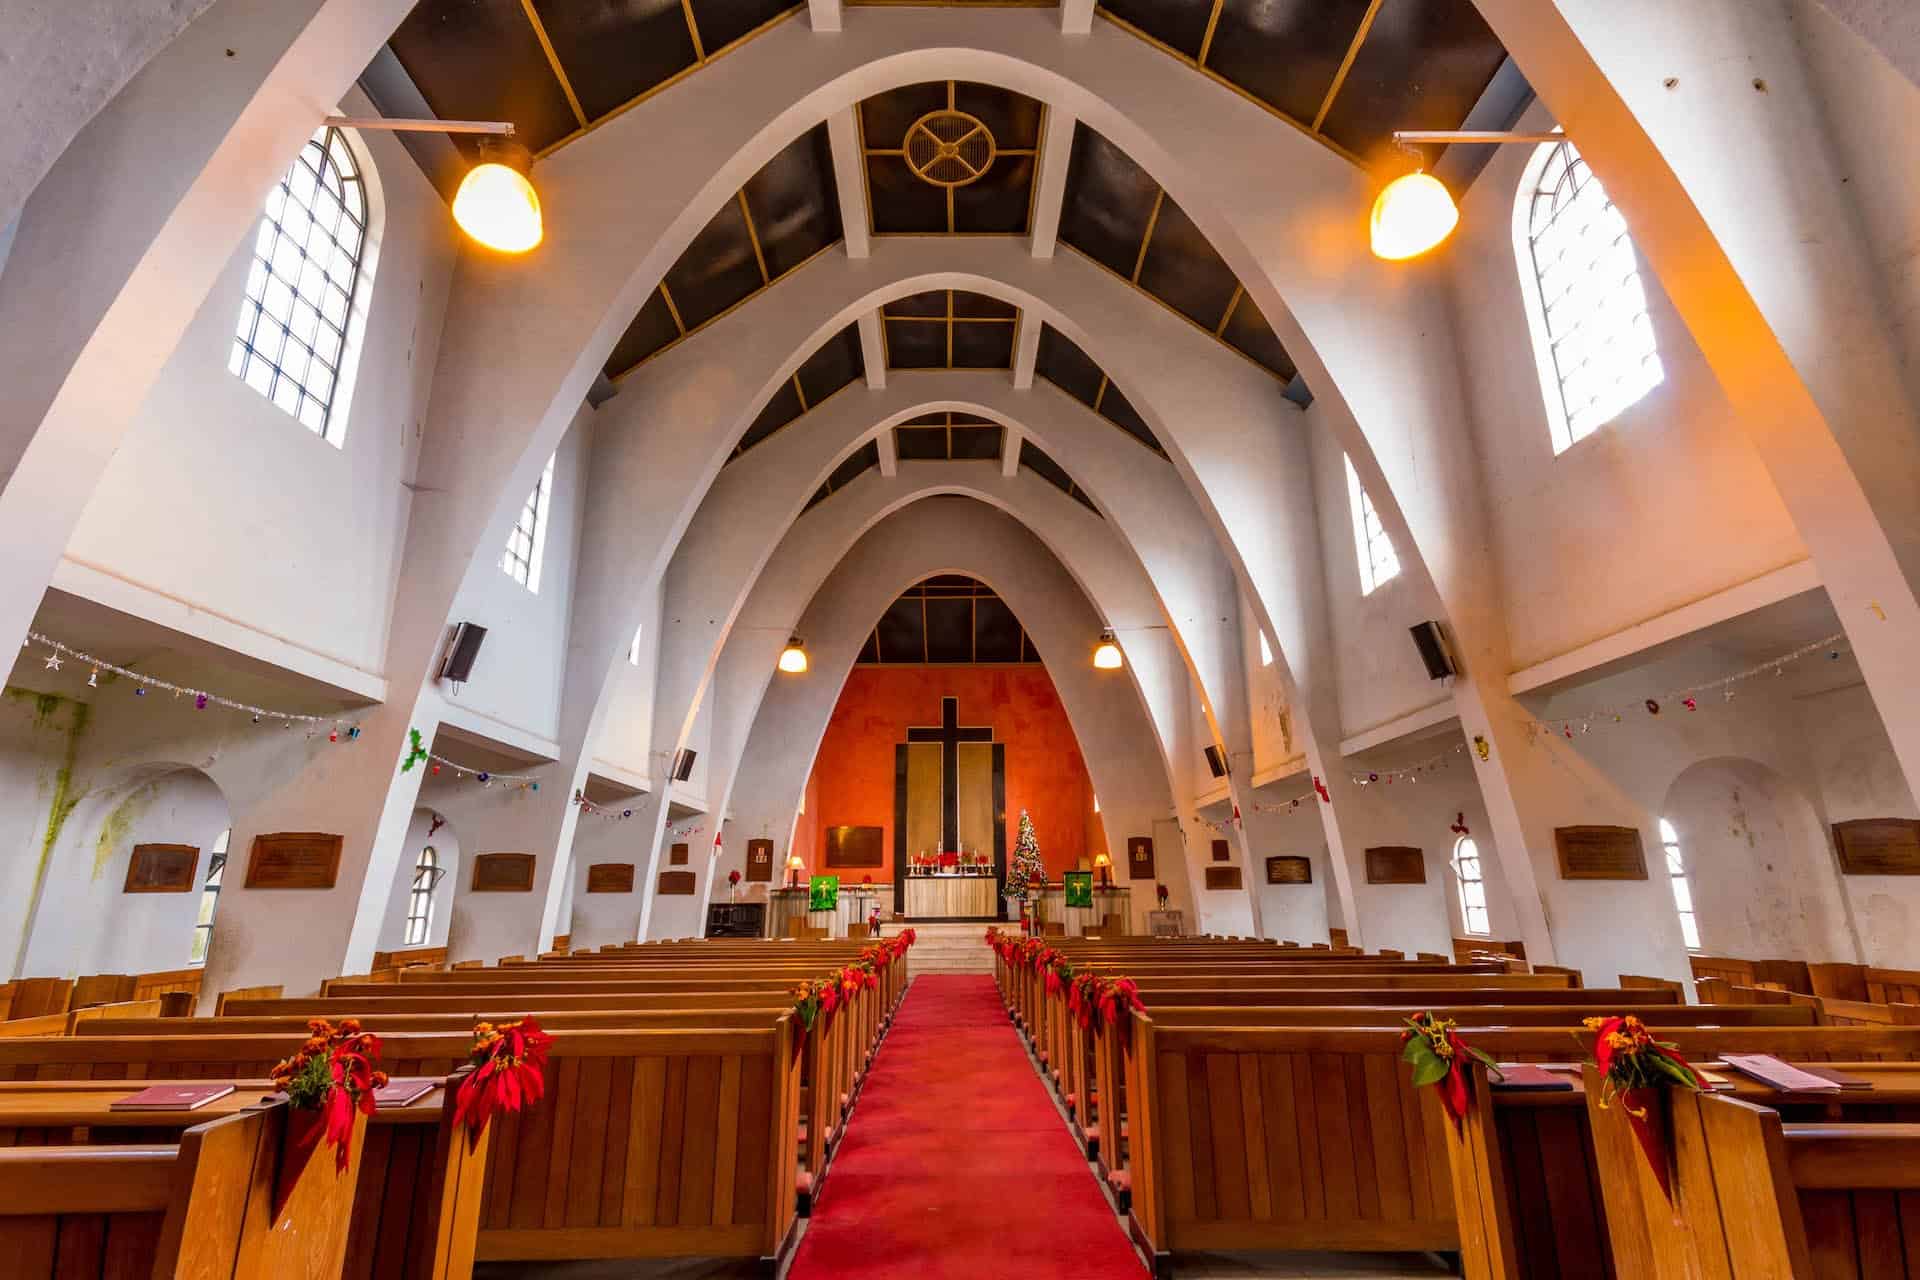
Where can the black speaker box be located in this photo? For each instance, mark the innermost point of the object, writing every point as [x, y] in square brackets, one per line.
[1434, 650]
[462, 651]
[1217, 762]
[683, 764]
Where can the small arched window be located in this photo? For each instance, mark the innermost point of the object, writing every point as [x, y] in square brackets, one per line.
[1592, 337]
[209, 899]
[426, 874]
[1682, 891]
[1473, 887]
[291, 344]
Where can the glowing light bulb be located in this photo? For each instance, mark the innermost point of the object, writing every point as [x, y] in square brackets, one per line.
[1413, 213]
[1106, 655]
[793, 658]
[498, 206]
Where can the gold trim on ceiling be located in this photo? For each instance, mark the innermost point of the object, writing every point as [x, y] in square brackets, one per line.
[1346, 64]
[1233, 303]
[553, 61]
[1168, 307]
[673, 310]
[753, 237]
[1153, 220]
[693, 30]
[1206, 41]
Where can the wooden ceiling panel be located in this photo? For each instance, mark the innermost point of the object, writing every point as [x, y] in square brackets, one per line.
[718, 270]
[1041, 463]
[886, 117]
[974, 443]
[482, 60]
[1248, 332]
[920, 444]
[902, 631]
[916, 344]
[651, 330]
[794, 203]
[1012, 118]
[1061, 362]
[1117, 409]
[901, 204]
[1182, 269]
[1181, 25]
[783, 407]
[931, 303]
[997, 204]
[615, 50]
[833, 366]
[1285, 52]
[722, 22]
[949, 629]
[980, 306]
[1423, 65]
[996, 631]
[1109, 200]
[983, 345]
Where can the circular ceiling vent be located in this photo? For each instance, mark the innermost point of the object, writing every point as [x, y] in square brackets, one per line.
[949, 148]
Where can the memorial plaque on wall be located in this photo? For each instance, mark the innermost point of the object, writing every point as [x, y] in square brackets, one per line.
[677, 855]
[162, 868]
[294, 860]
[1140, 857]
[503, 873]
[1396, 864]
[1600, 853]
[1221, 853]
[676, 884]
[759, 861]
[1289, 869]
[854, 846]
[1878, 846]
[610, 877]
[1223, 878]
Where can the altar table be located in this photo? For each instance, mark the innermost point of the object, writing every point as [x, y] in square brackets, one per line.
[970, 895]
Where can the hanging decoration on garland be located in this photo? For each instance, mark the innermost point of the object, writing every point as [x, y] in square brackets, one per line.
[485, 777]
[605, 813]
[202, 698]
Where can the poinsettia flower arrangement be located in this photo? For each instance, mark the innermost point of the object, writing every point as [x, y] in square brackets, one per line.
[1095, 1001]
[509, 1072]
[813, 997]
[1440, 1057]
[334, 1075]
[1633, 1066]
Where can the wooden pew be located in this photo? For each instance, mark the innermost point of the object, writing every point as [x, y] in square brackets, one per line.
[66, 1024]
[35, 997]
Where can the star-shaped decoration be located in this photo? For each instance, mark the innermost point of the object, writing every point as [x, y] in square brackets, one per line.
[53, 662]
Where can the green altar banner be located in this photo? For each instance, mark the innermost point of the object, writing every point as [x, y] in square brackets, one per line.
[1079, 887]
[823, 893]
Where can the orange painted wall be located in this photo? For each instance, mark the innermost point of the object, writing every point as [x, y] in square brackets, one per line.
[852, 783]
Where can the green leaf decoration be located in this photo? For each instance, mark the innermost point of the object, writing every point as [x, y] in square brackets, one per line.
[416, 752]
[1432, 1071]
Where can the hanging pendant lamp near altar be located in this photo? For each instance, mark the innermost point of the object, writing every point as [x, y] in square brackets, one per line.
[1415, 212]
[496, 203]
[1106, 655]
[793, 658]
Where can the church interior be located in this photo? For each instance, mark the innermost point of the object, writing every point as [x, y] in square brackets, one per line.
[1221, 638]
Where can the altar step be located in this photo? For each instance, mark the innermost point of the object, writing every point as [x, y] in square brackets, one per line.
[945, 948]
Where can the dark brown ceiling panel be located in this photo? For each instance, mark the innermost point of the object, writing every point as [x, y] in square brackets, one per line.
[861, 460]
[1118, 410]
[982, 306]
[782, 408]
[717, 270]
[1012, 118]
[902, 204]
[902, 632]
[975, 443]
[870, 651]
[983, 344]
[949, 629]
[920, 444]
[996, 632]
[1285, 52]
[1066, 366]
[481, 60]
[1042, 464]
[886, 117]
[1423, 65]
[997, 204]
[931, 303]
[721, 22]
[651, 330]
[1180, 24]
[927, 420]
[1108, 201]
[916, 344]
[833, 366]
[615, 50]
[1182, 269]
[795, 205]
[1249, 332]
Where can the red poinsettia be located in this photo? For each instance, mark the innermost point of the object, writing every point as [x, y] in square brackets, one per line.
[1439, 1056]
[1632, 1066]
[334, 1074]
[509, 1072]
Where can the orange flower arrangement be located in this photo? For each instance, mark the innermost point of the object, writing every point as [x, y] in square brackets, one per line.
[332, 1074]
[1632, 1065]
[509, 1072]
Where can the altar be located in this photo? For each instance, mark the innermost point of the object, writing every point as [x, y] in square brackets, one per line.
[961, 894]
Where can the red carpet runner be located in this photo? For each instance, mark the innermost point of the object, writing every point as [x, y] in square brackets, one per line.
[956, 1163]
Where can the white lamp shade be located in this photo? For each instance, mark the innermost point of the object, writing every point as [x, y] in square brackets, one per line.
[793, 658]
[1106, 655]
[497, 206]
[1412, 214]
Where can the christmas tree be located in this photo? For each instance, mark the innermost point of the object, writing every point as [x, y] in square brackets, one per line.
[1027, 869]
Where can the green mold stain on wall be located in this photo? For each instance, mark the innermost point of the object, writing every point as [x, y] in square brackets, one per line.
[45, 712]
[118, 826]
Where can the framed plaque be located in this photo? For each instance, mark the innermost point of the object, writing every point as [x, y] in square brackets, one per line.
[854, 847]
[1223, 878]
[823, 893]
[294, 860]
[1140, 857]
[677, 854]
[1289, 869]
[1878, 846]
[676, 884]
[503, 873]
[1078, 887]
[759, 862]
[1396, 864]
[610, 877]
[1600, 853]
[1221, 853]
[162, 868]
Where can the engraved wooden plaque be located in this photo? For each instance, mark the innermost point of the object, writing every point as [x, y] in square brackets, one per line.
[1221, 853]
[678, 884]
[1600, 853]
[1396, 864]
[294, 860]
[503, 873]
[1289, 869]
[677, 855]
[1878, 846]
[162, 868]
[610, 877]
[855, 847]
[1140, 857]
[759, 862]
[1223, 878]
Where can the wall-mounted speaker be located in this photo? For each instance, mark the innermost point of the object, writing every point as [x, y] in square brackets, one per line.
[1434, 650]
[1217, 762]
[683, 764]
[462, 651]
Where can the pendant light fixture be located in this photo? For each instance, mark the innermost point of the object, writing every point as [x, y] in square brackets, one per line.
[1106, 654]
[496, 203]
[793, 658]
[1415, 212]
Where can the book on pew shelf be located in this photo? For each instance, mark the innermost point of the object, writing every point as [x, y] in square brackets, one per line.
[1715, 1082]
[1840, 1078]
[1529, 1077]
[402, 1090]
[1768, 1069]
[172, 1097]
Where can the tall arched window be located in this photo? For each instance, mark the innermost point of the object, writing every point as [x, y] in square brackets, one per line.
[1473, 888]
[1585, 305]
[420, 897]
[527, 540]
[209, 899]
[1377, 560]
[1682, 891]
[291, 340]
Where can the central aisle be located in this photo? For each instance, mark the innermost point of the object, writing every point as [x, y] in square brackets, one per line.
[957, 1164]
